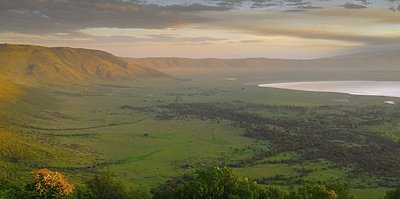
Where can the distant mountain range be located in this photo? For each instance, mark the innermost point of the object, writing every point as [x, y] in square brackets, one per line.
[24, 63]
[28, 64]
[389, 60]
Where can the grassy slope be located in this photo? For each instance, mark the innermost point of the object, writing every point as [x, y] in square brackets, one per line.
[21, 151]
[23, 63]
[19, 155]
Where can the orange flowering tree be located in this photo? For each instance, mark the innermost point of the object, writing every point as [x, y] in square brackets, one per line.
[51, 184]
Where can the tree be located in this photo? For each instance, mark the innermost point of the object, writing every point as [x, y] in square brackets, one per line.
[211, 183]
[103, 186]
[51, 184]
[316, 192]
[222, 183]
[342, 190]
[272, 192]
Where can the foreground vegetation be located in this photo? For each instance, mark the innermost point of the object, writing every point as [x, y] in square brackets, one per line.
[336, 133]
[212, 183]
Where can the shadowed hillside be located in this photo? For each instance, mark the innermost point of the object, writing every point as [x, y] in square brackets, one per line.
[23, 63]
[8, 91]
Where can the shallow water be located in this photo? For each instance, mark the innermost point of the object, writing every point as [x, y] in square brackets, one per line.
[372, 88]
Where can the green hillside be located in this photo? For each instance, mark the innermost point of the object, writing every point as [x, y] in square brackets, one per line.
[24, 70]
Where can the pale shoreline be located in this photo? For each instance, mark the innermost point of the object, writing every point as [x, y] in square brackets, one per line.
[368, 88]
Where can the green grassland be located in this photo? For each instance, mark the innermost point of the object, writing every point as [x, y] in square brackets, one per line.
[81, 129]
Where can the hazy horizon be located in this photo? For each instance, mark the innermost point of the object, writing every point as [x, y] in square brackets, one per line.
[278, 58]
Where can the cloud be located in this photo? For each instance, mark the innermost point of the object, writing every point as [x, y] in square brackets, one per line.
[51, 16]
[394, 9]
[362, 26]
[365, 2]
[249, 23]
[251, 41]
[281, 4]
[78, 39]
[293, 4]
[55, 16]
[313, 34]
[350, 5]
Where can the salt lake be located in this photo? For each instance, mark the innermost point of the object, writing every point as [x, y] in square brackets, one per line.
[371, 88]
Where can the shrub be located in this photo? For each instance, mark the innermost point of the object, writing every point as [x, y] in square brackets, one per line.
[395, 194]
[139, 193]
[8, 191]
[272, 192]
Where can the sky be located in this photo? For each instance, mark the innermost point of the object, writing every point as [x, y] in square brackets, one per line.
[289, 29]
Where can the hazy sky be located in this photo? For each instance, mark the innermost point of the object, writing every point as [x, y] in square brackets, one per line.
[206, 28]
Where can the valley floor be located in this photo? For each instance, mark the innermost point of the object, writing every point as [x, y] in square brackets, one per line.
[147, 132]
